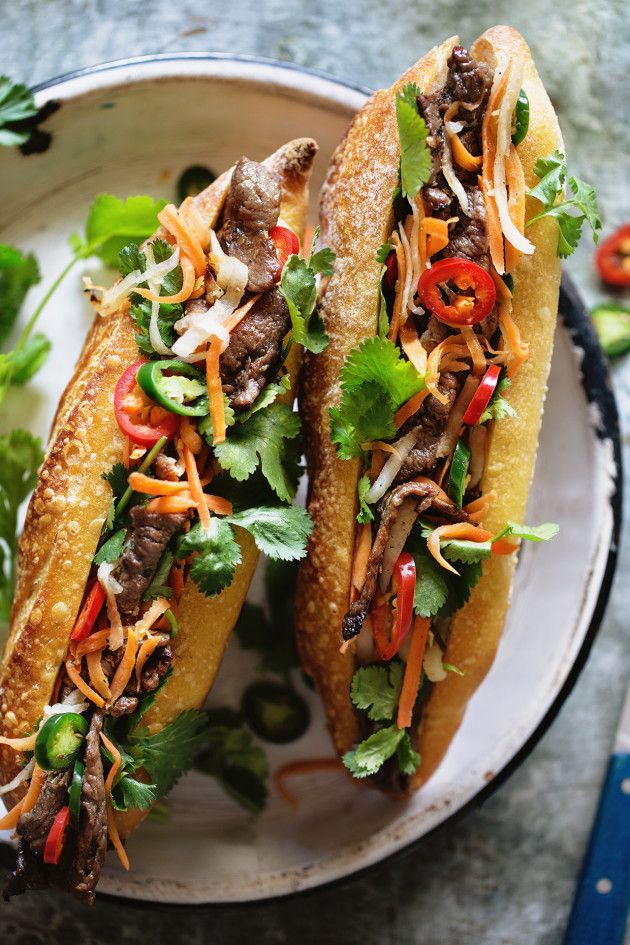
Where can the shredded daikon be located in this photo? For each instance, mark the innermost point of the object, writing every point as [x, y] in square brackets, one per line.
[396, 542]
[154, 330]
[432, 663]
[22, 775]
[152, 275]
[111, 587]
[451, 177]
[391, 468]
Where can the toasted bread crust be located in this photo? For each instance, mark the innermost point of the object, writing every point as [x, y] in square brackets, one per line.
[356, 218]
[69, 506]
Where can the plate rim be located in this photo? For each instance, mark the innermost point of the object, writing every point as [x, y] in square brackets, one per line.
[595, 380]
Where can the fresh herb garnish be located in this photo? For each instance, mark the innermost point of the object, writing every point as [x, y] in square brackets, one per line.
[376, 689]
[16, 105]
[375, 381]
[415, 155]
[498, 407]
[21, 454]
[383, 317]
[365, 513]
[371, 754]
[552, 171]
[299, 288]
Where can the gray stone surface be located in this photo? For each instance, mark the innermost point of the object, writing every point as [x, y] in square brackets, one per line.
[505, 874]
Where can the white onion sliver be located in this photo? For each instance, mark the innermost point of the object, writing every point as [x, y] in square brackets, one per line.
[449, 437]
[154, 330]
[432, 663]
[111, 587]
[154, 274]
[22, 775]
[396, 542]
[452, 179]
[391, 468]
[454, 126]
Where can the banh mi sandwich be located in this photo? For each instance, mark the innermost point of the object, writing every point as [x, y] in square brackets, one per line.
[422, 415]
[173, 458]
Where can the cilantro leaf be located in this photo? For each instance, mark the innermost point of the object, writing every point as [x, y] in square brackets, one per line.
[365, 513]
[431, 589]
[112, 549]
[375, 382]
[21, 454]
[131, 793]
[267, 438]
[280, 532]
[377, 690]
[383, 316]
[468, 552]
[131, 258]
[217, 555]
[322, 261]
[112, 223]
[415, 155]
[582, 198]
[299, 289]
[408, 759]
[460, 588]
[16, 104]
[370, 755]
[498, 407]
[204, 424]
[169, 753]
[267, 396]
[26, 360]
[18, 272]
[544, 532]
[118, 479]
[230, 756]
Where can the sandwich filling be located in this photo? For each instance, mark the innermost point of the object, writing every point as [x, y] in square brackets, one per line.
[420, 399]
[202, 410]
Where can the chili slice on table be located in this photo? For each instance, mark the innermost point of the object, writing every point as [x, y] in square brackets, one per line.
[129, 406]
[286, 243]
[89, 612]
[482, 396]
[56, 837]
[464, 275]
[613, 257]
[403, 585]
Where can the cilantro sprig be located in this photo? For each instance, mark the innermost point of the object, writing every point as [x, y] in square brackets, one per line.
[16, 105]
[572, 212]
[299, 288]
[375, 382]
[415, 155]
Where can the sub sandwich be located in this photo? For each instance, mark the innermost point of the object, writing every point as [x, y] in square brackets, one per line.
[422, 414]
[173, 459]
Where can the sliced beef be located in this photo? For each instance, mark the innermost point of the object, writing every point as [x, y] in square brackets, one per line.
[150, 534]
[468, 80]
[153, 672]
[429, 497]
[254, 350]
[469, 239]
[166, 467]
[429, 423]
[251, 209]
[124, 705]
[91, 840]
[435, 332]
[156, 668]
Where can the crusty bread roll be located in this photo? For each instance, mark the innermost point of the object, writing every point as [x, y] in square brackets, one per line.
[69, 506]
[356, 218]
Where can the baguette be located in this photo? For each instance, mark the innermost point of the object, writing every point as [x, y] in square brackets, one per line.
[356, 217]
[70, 505]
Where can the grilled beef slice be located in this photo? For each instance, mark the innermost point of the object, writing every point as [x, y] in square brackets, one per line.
[91, 841]
[150, 534]
[153, 672]
[428, 494]
[254, 350]
[251, 209]
[429, 424]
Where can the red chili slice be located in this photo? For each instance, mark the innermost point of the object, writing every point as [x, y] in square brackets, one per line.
[481, 397]
[286, 243]
[463, 275]
[391, 272]
[158, 422]
[613, 257]
[56, 836]
[89, 612]
[403, 584]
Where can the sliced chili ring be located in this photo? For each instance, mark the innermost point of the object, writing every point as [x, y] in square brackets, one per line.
[59, 740]
[53, 847]
[482, 396]
[464, 275]
[152, 377]
[89, 612]
[145, 433]
[458, 473]
[403, 585]
[613, 257]
[286, 243]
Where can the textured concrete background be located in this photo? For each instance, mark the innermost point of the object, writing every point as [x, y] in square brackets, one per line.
[505, 875]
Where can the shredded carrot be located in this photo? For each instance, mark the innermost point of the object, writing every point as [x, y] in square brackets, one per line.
[176, 581]
[169, 505]
[195, 486]
[10, 819]
[400, 287]
[412, 346]
[412, 406]
[125, 667]
[380, 445]
[516, 203]
[27, 743]
[82, 686]
[194, 222]
[97, 676]
[109, 745]
[477, 509]
[114, 836]
[189, 437]
[188, 284]
[215, 392]
[148, 486]
[413, 671]
[462, 156]
[377, 463]
[467, 532]
[307, 766]
[493, 228]
[144, 624]
[95, 641]
[237, 316]
[202, 459]
[486, 181]
[476, 351]
[435, 232]
[362, 548]
[145, 651]
[188, 243]
[518, 348]
[452, 345]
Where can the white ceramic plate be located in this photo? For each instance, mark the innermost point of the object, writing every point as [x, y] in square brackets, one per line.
[131, 128]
